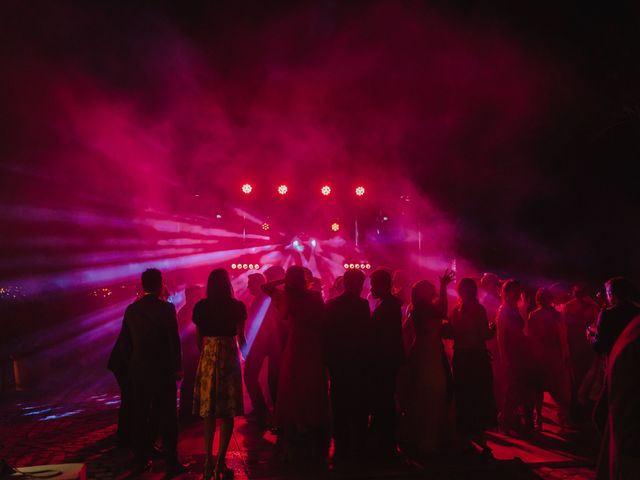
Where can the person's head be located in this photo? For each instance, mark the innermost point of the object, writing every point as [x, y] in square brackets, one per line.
[338, 286]
[254, 281]
[544, 297]
[295, 278]
[619, 289]
[423, 293]
[192, 294]
[354, 281]
[308, 274]
[152, 281]
[380, 283]
[490, 283]
[273, 273]
[219, 285]
[467, 290]
[511, 291]
[580, 290]
[560, 293]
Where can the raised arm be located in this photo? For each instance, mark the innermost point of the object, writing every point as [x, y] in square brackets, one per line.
[270, 288]
[442, 305]
[241, 322]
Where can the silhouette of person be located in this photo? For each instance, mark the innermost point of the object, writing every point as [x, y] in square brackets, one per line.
[347, 355]
[516, 360]
[578, 314]
[302, 404]
[620, 458]
[387, 344]
[551, 365]
[472, 375]
[429, 407]
[491, 301]
[190, 351]
[151, 347]
[220, 320]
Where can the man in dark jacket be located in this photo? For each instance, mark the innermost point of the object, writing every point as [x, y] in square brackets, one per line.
[151, 348]
[388, 351]
[347, 355]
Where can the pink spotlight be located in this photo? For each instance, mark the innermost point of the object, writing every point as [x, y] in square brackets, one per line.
[360, 191]
[247, 188]
[283, 189]
[326, 190]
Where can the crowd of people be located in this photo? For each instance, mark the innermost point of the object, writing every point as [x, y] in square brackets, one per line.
[394, 371]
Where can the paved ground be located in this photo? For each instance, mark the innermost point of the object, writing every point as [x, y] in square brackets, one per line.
[80, 427]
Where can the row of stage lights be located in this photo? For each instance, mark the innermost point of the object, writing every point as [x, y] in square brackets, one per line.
[245, 266]
[357, 266]
[283, 189]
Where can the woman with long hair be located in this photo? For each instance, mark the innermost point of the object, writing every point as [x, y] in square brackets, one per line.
[219, 319]
[428, 405]
[472, 375]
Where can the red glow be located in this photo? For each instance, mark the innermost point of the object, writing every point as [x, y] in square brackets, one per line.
[283, 189]
[326, 190]
[360, 191]
[247, 188]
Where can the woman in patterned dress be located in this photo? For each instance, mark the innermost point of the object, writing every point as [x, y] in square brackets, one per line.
[219, 319]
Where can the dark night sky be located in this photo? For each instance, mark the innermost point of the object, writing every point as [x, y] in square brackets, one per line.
[557, 194]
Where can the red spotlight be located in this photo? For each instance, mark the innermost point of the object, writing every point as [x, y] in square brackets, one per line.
[247, 188]
[265, 226]
[326, 190]
[360, 191]
[335, 226]
[282, 189]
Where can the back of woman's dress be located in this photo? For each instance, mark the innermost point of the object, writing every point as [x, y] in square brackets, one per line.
[302, 387]
[428, 409]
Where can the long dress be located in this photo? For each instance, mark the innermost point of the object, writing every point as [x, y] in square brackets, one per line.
[302, 404]
[429, 407]
[472, 374]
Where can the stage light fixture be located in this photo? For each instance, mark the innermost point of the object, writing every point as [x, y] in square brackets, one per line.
[247, 188]
[283, 189]
[335, 226]
[245, 266]
[351, 265]
[360, 191]
[326, 190]
[266, 226]
[368, 266]
[314, 243]
[233, 266]
[346, 266]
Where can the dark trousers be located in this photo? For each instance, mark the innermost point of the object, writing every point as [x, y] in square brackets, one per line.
[252, 368]
[125, 413]
[350, 413]
[155, 403]
[383, 410]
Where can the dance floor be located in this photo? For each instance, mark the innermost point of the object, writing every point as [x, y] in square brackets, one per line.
[76, 427]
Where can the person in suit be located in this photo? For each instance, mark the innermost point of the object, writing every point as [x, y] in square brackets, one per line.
[151, 351]
[387, 343]
[347, 354]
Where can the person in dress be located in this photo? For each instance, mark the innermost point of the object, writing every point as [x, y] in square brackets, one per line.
[301, 414]
[516, 414]
[551, 365]
[470, 329]
[429, 404]
[219, 319]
